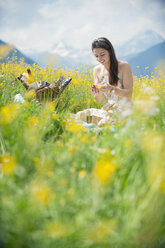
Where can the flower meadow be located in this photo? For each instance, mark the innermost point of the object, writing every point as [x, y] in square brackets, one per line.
[65, 186]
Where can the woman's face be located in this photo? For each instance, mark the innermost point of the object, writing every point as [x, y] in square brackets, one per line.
[102, 56]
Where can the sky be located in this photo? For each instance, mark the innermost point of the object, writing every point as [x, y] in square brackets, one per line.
[58, 25]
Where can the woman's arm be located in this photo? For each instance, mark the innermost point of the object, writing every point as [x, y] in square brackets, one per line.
[127, 80]
[98, 95]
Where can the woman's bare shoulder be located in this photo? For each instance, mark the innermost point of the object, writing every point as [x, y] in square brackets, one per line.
[123, 66]
[97, 69]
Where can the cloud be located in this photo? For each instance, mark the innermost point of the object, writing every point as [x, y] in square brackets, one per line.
[43, 25]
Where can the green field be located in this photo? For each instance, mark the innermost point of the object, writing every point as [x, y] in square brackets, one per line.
[65, 186]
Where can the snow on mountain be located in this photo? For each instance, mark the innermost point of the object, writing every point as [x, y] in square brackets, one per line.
[61, 49]
[62, 55]
[138, 43]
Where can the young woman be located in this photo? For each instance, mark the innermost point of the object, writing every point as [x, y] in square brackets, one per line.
[113, 82]
[115, 76]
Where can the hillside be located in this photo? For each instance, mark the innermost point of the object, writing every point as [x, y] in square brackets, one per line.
[149, 58]
[8, 51]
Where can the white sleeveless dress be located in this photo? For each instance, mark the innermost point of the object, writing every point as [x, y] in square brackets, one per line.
[102, 115]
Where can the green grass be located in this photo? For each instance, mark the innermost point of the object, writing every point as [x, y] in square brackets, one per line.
[77, 188]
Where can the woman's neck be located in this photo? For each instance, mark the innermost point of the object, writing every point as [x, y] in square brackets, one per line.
[106, 70]
[107, 67]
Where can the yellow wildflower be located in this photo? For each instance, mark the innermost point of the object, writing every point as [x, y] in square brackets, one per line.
[118, 123]
[82, 174]
[33, 122]
[51, 106]
[79, 135]
[41, 193]
[35, 159]
[26, 104]
[72, 149]
[74, 82]
[100, 230]
[104, 169]
[61, 143]
[50, 174]
[75, 127]
[84, 139]
[8, 163]
[8, 113]
[98, 86]
[70, 191]
[93, 139]
[162, 186]
[57, 230]
[30, 94]
[55, 116]
[88, 100]
[127, 143]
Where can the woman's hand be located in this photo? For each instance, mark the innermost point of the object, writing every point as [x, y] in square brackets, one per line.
[94, 89]
[106, 88]
[99, 90]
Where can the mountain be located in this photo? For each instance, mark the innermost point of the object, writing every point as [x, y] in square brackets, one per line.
[62, 55]
[53, 59]
[149, 58]
[144, 50]
[8, 52]
[138, 44]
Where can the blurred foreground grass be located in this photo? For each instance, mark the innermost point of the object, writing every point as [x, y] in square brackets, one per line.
[64, 186]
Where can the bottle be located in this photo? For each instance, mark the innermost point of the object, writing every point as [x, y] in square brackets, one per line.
[21, 78]
[28, 76]
[28, 81]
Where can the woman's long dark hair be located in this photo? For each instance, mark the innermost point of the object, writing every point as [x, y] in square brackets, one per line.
[113, 70]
